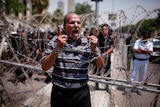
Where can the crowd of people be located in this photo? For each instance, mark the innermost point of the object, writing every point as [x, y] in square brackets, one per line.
[66, 51]
[69, 78]
[25, 47]
[28, 46]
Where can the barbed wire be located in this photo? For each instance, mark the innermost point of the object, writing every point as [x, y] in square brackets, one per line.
[131, 100]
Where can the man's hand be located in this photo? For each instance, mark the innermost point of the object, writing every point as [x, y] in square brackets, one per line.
[61, 39]
[94, 41]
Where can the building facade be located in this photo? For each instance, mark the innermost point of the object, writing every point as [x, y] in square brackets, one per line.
[61, 6]
[71, 6]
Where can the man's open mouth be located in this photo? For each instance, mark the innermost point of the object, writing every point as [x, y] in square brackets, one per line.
[75, 31]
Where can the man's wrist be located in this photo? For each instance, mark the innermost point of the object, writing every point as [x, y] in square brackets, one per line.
[57, 49]
[97, 52]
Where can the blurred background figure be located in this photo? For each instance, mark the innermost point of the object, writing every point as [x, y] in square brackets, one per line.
[143, 47]
[106, 45]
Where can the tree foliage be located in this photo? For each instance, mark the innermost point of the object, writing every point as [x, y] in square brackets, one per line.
[149, 25]
[12, 6]
[39, 5]
[83, 8]
[58, 17]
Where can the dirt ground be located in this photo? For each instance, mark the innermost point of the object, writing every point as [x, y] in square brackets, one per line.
[17, 92]
[36, 93]
[149, 98]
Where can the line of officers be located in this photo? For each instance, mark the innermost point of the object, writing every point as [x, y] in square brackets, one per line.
[29, 46]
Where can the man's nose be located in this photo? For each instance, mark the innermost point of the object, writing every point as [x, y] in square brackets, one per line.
[75, 24]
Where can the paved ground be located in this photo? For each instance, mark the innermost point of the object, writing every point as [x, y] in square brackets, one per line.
[132, 99]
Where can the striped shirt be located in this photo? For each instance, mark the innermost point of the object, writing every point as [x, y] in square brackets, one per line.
[70, 71]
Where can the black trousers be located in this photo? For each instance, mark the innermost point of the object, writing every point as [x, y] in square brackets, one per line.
[107, 67]
[61, 97]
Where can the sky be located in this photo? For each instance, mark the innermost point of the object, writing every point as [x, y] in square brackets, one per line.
[134, 10]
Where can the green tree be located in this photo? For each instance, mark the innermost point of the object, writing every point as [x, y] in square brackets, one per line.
[83, 8]
[39, 5]
[149, 25]
[12, 6]
[58, 17]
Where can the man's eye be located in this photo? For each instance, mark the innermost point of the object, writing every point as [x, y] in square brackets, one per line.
[78, 22]
[72, 23]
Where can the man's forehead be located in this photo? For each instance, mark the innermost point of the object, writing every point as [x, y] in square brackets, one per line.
[105, 27]
[73, 16]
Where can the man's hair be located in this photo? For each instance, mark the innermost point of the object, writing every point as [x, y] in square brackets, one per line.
[64, 22]
[143, 33]
[105, 24]
[65, 19]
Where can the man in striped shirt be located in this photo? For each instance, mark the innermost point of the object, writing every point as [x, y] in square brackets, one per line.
[70, 54]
